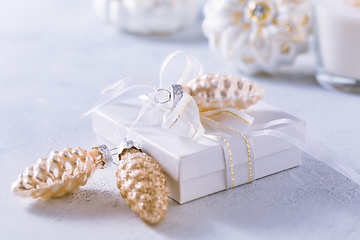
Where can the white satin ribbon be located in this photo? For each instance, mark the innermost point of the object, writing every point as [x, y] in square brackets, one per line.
[310, 145]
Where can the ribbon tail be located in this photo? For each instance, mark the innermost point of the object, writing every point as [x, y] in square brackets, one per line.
[316, 149]
[327, 156]
[113, 91]
[235, 115]
[154, 115]
[142, 111]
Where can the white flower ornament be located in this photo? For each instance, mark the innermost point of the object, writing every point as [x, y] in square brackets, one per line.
[258, 35]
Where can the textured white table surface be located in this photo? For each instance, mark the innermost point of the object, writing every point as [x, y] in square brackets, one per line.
[55, 57]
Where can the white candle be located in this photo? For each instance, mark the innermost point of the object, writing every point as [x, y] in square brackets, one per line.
[338, 33]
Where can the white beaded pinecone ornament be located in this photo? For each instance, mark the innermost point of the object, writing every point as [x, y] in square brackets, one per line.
[61, 173]
[142, 184]
[258, 35]
[215, 91]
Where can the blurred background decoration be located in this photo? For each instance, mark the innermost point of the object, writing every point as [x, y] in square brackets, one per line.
[146, 17]
[257, 35]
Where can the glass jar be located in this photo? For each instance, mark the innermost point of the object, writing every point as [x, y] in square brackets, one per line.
[337, 39]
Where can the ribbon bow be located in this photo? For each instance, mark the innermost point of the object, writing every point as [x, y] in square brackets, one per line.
[180, 114]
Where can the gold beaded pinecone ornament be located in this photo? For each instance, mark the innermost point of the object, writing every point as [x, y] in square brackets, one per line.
[61, 173]
[215, 91]
[142, 184]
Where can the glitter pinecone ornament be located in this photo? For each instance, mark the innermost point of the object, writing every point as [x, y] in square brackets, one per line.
[61, 173]
[142, 184]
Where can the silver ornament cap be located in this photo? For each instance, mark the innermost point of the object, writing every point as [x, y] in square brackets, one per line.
[127, 144]
[106, 155]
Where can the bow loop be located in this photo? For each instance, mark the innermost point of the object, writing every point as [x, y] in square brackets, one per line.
[179, 68]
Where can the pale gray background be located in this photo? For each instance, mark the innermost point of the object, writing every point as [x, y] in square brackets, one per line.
[55, 57]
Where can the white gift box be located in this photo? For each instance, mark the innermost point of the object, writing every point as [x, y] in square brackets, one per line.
[196, 169]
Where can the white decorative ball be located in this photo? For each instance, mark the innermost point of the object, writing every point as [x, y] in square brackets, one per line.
[258, 35]
[147, 17]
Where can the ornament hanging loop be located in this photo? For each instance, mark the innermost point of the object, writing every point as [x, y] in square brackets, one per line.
[173, 95]
[162, 96]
